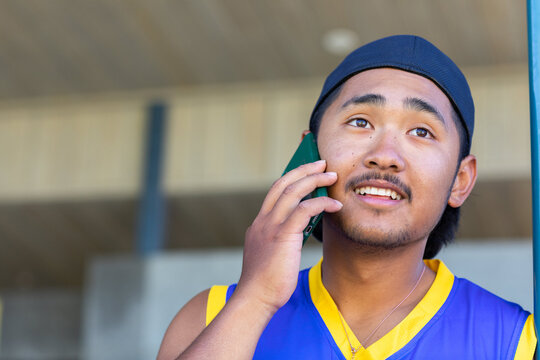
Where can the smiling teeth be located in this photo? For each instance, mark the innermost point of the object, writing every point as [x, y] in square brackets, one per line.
[371, 190]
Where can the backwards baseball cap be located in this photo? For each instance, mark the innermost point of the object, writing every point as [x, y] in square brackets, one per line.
[413, 54]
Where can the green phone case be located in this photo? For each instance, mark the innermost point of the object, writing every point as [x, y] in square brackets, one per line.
[307, 152]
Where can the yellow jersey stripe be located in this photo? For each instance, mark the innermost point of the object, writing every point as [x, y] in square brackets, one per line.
[527, 341]
[216, 302]
[329, 312]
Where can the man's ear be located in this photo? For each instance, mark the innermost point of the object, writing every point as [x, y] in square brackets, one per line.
[464, 182]
[304, 133]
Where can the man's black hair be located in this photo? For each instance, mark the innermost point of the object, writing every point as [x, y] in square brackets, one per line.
[443, 233]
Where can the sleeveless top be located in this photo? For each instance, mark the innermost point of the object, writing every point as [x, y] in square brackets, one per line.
[456, 319]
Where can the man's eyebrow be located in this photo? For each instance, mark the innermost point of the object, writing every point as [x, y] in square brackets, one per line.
[421, 105]
[374, 99]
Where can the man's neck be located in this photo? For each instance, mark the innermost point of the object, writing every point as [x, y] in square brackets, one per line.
[366, 285]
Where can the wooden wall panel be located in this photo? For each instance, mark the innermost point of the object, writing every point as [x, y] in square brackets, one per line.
[221, 138]
[60, 47]
[234, 138]
[70, 150]
[501, 139]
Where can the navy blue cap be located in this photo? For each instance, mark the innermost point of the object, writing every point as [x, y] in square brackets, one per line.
[413, 54]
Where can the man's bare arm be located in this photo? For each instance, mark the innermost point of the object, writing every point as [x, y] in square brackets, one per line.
[180, 335]
[233, 334]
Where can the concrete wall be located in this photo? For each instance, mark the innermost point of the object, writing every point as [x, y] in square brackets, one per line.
[504, 268]
[41, 325]
[129, 302]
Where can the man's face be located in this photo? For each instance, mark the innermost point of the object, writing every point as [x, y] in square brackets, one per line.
[391, 139]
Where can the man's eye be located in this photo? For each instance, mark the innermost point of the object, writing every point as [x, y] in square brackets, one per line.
[421, 132]
[361, 123]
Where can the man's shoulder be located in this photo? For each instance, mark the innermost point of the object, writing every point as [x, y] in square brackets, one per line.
[497, 325]
[482, 302]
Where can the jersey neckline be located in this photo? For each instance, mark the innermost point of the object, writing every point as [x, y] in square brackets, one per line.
[396, 338]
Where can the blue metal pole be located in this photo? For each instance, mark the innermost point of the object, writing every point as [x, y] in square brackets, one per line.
[151, 221]
[533, 11]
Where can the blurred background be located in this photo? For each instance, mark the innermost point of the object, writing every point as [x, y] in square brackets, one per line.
[138, 139]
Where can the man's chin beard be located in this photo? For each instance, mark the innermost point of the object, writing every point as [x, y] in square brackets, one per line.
[370, 240]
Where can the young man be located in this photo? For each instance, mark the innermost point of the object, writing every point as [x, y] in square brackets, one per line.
[393, 124]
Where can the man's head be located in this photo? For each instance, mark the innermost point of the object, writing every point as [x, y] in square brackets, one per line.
[397, 113]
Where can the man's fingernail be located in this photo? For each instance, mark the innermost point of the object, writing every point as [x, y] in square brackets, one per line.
[320, 161]
[339, 203]
[332, 173]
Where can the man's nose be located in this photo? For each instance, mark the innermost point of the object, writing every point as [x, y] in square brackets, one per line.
[385, 153]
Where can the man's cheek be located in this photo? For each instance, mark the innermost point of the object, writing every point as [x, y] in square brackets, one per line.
[432, 167]
[340, 158]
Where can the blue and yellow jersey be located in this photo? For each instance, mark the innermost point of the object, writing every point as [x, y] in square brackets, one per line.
[456, 319]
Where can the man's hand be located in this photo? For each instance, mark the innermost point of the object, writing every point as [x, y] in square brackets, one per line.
[273, 242]
[269, 273]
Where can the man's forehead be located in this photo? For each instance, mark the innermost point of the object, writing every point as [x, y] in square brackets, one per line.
[392, 85]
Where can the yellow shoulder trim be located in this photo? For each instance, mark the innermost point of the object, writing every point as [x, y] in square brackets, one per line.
[216, 302]
[527, 341]
[399, 336]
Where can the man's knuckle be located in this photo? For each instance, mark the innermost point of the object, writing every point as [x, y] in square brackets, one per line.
[303, 206]
[289, 189]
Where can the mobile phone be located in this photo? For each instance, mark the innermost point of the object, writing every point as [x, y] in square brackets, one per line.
[307, 152]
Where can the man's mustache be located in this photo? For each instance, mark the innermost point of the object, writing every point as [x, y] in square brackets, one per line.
[374, 175]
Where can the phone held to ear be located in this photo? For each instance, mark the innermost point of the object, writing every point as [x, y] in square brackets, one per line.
[307, 152]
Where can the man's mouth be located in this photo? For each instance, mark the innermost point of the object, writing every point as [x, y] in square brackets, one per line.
[377, 186]
[376, 191]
